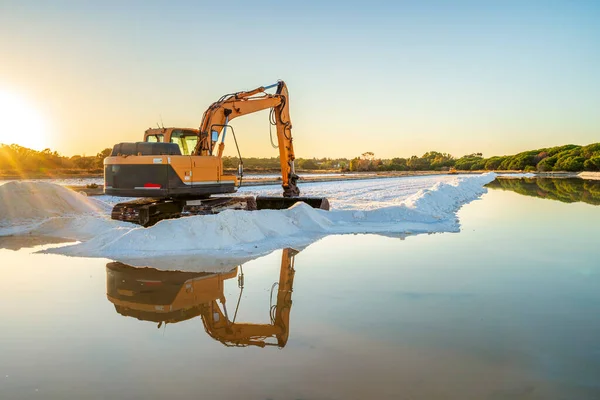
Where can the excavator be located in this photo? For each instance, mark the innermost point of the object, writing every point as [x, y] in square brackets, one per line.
[167, 297]
[176, 172]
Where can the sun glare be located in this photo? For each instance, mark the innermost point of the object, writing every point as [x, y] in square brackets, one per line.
[21, 123]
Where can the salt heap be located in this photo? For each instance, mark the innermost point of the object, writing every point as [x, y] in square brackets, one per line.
[257, 232]
[22, 201]
[51, 210]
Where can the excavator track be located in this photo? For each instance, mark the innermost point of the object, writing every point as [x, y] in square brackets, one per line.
[148, 211]
[282, 203]
[215, 205]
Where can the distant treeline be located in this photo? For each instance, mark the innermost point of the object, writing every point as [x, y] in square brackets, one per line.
[565, 190]
[16, 159]
[254, 163]
[562, 158]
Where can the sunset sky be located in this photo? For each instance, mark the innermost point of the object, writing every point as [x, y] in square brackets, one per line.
[395, 78]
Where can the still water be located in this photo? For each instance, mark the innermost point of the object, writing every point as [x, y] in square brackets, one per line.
[506, 309]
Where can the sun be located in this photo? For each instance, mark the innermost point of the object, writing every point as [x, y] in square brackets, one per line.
[21, 123]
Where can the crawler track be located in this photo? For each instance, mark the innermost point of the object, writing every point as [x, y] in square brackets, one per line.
[147, 211]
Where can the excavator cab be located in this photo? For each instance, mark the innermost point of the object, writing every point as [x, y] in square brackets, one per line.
[186, 139]
[168, 297]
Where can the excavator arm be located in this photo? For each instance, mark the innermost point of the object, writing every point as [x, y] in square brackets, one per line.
[216, 118]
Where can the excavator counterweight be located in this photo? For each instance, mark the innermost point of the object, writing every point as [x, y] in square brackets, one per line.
[175, 172]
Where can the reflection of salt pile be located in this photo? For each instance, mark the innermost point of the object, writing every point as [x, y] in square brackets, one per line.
[36, 200]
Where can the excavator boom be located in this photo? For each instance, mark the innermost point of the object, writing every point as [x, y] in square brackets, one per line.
[217, 117]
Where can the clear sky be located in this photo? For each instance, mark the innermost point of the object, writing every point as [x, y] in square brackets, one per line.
[395, 78]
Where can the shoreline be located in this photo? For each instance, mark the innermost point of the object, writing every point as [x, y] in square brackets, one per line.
[337, 177]
[348, 177]
[331, 175]
[594, 176]
[317, 173]
[303, 179]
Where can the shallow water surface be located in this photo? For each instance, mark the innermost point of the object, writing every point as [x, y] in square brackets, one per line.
[506, 309]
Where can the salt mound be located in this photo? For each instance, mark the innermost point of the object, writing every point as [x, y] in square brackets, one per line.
[20, 201]
[254, 232]
[445, 198]
[224, 231]
[423, 206]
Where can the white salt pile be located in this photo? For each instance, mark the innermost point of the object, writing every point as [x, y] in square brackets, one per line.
[244, 233]
[21, 201]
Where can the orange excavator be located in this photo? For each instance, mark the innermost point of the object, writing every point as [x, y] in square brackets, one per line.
[166, 297]
[176, 171]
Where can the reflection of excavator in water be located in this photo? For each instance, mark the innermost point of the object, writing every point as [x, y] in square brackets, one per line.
[175, 171]
[173, 296]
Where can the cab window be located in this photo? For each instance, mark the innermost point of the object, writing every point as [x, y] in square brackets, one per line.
[186, 140]
[155, 138]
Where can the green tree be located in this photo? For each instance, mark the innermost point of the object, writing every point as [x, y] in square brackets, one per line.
[308, 164]
[593, 164]
[493, 163]
[418, 164]
[547, 164]
[572, 163]
[99, 161]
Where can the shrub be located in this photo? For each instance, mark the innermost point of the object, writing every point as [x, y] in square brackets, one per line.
[573, 163]
[593, 164]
